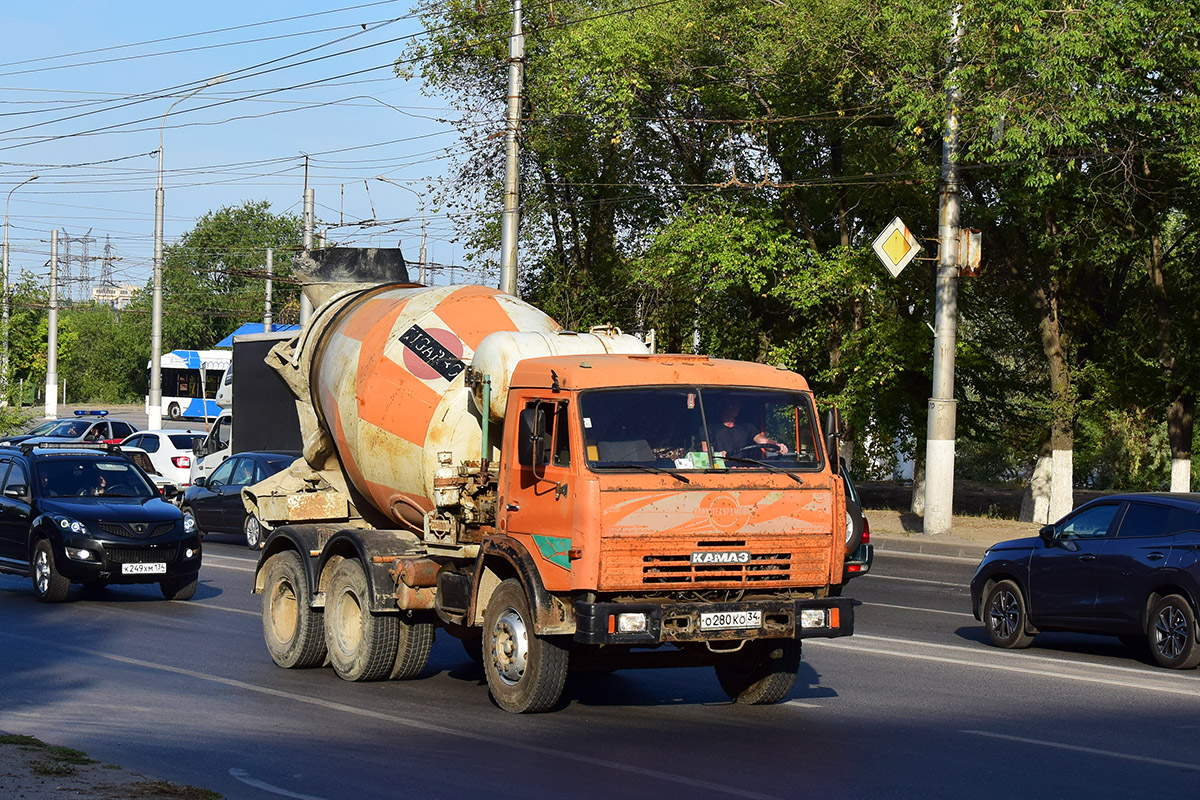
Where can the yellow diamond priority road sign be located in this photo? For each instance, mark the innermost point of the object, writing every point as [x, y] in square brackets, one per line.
[895, 246]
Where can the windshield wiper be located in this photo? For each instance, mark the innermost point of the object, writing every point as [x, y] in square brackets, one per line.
[765, 465]
[647, 468]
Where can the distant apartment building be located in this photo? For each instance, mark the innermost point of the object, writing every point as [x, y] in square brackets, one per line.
[115, 296]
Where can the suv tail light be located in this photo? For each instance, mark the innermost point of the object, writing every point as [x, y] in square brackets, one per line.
[183, 462]
[866, 531]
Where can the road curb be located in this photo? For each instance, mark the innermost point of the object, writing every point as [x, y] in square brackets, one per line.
[927, 545]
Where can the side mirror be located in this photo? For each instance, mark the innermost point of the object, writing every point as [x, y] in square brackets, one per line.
[833, 432]
[169, 491]
[200, 481]
[16, 491]
[1046, 532]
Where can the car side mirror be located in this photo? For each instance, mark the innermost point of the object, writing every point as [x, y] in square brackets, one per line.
[16, 491]
[169, 491]
[200, 481]
[1047, 533]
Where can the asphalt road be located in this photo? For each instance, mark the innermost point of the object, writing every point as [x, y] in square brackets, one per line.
[914, 705]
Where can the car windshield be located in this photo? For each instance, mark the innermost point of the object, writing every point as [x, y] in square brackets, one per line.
[696, 428]
[42, 427]
[68, 428]
[84, 477]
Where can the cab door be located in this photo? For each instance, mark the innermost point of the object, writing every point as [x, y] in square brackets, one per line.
[538, 498]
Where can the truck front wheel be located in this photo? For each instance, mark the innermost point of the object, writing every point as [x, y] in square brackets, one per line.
[362, 646]
[761, 673]
[291, 628]
[525, 672]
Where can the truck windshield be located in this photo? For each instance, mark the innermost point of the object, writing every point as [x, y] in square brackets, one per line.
[699, 428]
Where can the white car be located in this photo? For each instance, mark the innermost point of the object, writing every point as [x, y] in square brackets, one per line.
[170, 452]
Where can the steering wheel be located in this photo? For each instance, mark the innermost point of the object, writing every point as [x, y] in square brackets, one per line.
[772, 448]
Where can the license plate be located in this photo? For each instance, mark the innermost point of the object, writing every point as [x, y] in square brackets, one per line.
[724, 620]
[143, 569]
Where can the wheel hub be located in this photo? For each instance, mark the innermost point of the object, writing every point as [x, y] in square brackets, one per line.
[1004, 614]
[1170, 632]
[42, 570]
[510, 648]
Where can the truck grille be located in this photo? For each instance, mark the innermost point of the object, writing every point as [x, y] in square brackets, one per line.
[131, 531]
[140, 554]
[666, 563]
[672, 569]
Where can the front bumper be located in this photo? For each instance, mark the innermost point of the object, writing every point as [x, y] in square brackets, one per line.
[109, 557]
[597, 623]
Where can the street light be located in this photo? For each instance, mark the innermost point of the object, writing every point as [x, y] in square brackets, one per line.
[421, 269]
[7, 303]
[155, 394]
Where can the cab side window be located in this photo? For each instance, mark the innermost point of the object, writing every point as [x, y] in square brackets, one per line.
[549, 421]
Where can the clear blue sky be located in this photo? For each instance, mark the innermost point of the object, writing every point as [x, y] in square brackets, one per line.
[145, 55]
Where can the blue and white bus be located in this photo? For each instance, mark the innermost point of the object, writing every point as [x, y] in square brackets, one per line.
[190, 379]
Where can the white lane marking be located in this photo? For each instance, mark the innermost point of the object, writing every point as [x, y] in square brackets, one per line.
[1161, 762]
[879, 551]
[194, 604]
[801, 704]
[238, 559]
[1076, 677]
[927, 610]
[244, 777]
[495, 741]
[996, 652]
[207, 563]
[914, 580]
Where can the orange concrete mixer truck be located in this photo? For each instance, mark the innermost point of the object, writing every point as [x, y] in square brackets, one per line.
[555, 500]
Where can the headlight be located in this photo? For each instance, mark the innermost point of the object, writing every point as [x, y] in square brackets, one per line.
[68, 524]
[632, 623]
[189, 523]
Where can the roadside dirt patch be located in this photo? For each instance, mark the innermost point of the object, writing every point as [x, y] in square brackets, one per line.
[33, 770]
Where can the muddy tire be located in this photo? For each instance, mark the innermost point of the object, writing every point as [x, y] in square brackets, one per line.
[414, 643]
[525, 672]
[362, 645]
[48, 584]
[761, 673]
[291, 628]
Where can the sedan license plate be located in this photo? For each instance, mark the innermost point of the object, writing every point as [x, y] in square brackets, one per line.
[157, 568]
[725, 620]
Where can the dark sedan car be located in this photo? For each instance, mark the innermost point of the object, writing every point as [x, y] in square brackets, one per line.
[1126, 565]
[215, 501]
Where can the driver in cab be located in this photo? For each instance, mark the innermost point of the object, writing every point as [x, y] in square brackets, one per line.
[730, 436]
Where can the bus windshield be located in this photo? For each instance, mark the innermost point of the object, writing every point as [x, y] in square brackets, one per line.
[700, 427]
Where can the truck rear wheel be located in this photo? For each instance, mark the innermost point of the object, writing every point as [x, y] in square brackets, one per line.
[761, 673]
[525, 672]
[362, 646]
[291, 628]
[414, 643]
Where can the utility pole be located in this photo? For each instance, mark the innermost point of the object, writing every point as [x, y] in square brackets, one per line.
[7, 297]
[267, 301]
[939, 443]
[512, 176]
[421, 269]
[306, 308]
[52, 335]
